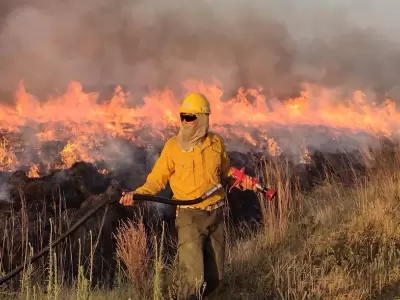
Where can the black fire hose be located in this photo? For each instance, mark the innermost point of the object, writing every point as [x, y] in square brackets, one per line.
[95, 209]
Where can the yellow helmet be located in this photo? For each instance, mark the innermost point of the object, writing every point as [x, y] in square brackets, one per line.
[195, 103]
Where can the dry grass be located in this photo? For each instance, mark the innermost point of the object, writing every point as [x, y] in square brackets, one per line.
[344, 246]
[332, 243]
[133, 253]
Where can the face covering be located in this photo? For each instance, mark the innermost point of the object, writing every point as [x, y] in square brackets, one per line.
[192, 133]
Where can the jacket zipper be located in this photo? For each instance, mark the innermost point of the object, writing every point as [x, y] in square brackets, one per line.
[202, 162]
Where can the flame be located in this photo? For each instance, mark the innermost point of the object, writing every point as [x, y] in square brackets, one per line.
[85, 125]
[34, 171]
[273, 147]
[7, 157]
[305, 157]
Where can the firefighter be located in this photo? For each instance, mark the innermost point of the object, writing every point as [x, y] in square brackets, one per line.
[192, 162]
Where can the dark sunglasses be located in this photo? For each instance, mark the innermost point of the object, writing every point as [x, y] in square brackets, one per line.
[188, 118]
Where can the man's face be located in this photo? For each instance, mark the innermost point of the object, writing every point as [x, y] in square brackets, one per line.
[188, 119]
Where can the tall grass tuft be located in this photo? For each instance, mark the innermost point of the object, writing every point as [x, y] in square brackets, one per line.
[133, 253]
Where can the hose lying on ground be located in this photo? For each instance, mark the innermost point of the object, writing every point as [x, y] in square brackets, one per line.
[80, 221]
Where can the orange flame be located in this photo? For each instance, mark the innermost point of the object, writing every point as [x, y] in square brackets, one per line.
[77, 118]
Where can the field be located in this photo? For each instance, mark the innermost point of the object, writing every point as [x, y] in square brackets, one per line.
[336, 241]
[304, 94]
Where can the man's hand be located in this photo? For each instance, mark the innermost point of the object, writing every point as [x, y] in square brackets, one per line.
[127, 199]
[247, 184]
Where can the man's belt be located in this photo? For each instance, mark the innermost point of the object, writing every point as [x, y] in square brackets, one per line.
[210, 207]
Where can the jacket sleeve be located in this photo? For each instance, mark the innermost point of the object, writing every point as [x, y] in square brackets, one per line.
[225, 164]
[160, 174]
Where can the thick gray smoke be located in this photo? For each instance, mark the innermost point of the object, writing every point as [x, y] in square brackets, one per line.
[147, 44]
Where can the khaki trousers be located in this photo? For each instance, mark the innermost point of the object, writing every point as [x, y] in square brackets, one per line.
[201, 251]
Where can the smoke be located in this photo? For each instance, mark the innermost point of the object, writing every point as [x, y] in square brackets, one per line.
[5, 193]
[153, 44]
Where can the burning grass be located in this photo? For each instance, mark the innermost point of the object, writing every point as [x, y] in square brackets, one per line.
[335, 242]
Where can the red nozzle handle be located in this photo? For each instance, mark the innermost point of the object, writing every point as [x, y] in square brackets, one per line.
[270, 194]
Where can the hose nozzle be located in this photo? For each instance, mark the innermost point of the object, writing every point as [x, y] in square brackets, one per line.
[211, 191]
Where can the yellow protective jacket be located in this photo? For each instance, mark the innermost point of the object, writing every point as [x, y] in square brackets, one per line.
[190, 174]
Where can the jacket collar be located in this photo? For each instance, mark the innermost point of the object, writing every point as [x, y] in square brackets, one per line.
[209, 140]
